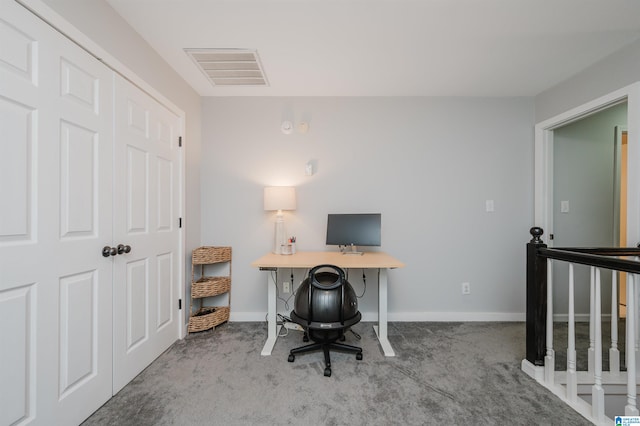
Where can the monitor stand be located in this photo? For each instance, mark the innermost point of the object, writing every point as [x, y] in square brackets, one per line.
[353, 249]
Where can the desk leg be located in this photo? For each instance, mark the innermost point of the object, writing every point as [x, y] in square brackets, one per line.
[272, 327]
[381, 328]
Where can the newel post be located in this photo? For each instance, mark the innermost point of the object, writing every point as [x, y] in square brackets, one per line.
[536, 299]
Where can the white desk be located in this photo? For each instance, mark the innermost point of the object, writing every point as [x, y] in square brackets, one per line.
[307, 260]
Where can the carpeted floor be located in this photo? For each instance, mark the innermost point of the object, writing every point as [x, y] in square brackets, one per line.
[443, 374]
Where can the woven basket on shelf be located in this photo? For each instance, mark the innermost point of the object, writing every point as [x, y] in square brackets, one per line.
[208, 317]
[203, 255]
[210, 286]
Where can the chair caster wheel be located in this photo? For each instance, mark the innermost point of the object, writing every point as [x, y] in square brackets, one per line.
[359, 356]
[291, 358]
[305, 338]
[327, 372]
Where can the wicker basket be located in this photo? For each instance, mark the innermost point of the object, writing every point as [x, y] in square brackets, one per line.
[208, 317]
[205, 255]
[210, 286]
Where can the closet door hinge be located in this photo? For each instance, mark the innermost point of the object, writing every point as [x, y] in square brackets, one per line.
[179, 222]
[180, 304]
[180, 141]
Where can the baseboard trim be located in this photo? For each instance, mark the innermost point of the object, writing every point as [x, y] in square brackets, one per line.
[456, 316]
[408, 316]
[578, 317]
[431, 316]
[534, 371]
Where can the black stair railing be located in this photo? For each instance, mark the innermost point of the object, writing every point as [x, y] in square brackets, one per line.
[537, 255]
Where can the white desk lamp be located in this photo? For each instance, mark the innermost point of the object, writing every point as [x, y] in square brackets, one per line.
[279, 198]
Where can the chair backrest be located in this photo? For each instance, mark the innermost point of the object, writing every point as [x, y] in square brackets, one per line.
[325, 300]
[315, 284]
[339, 282]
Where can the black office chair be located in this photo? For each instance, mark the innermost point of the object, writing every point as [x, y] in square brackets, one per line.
[326, 306]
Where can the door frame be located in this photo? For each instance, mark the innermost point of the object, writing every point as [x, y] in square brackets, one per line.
[51, 17]
[543, 158]
[617, 194]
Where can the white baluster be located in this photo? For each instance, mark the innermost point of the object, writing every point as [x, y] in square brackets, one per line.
[597, 391]
[631, 409]
[614, 353]
[549, 359]
[591, 350]
[572, 379]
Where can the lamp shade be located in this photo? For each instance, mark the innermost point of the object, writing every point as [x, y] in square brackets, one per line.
[279, 198]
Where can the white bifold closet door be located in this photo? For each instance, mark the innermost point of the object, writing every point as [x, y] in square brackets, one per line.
[76, 326]
[56, 162]
[146, 281]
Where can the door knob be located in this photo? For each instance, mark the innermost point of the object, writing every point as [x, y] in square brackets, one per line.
[109, 251]
[123, 249]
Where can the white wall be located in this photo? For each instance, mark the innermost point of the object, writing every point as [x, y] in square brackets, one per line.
[427, 164]
[97, 20]
[618, 70]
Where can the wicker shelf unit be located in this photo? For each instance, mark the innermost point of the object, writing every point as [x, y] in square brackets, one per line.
[204, 261]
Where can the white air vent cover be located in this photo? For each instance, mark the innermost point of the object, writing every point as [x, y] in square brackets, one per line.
[229, 67]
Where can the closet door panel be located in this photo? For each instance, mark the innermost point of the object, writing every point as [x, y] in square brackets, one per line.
[146, 281]
[79, 158]
[17, 378]
[56, 161]
[84, 197]
[17, 168]
[137, 288]
[19, 282]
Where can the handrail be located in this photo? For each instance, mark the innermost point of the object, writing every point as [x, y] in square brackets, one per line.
[537, 255]
[600, 260]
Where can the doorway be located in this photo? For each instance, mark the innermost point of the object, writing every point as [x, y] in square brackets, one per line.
[585, 173]
[544, 202]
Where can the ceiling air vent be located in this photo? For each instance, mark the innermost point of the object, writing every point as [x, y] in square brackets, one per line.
[229, 67]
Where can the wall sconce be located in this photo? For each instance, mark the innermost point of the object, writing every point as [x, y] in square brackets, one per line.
[279, 198]
[287, 127]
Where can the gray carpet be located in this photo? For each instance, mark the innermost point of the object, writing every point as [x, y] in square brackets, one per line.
[443, 374]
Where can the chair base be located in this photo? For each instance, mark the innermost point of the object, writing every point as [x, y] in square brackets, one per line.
[326, 347]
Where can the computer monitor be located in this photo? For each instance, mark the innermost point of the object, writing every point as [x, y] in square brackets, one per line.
[352, 230]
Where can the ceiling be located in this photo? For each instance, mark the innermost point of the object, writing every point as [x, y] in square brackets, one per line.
[390, 47]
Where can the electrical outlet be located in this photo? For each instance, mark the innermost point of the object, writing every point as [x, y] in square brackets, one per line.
[489, 206]
[466, 288]
[286, 287]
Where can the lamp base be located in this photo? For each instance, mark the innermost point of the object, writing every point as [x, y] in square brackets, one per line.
[279, 238]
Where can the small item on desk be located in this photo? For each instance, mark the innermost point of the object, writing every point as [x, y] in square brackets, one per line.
[286, 249]
[289, 247]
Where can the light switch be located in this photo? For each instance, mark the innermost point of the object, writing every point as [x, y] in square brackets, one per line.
[564, 206]
[489, 206]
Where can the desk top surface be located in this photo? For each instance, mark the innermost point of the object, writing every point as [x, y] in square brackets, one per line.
[309, 259]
